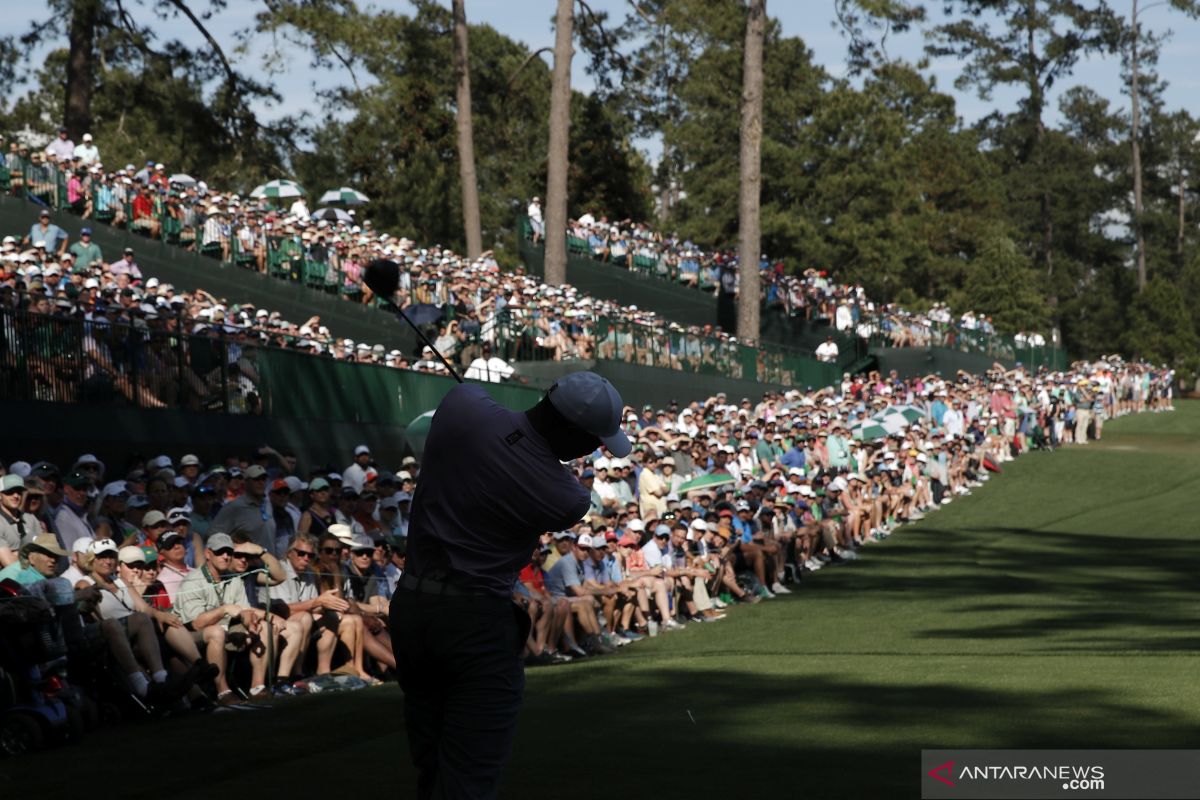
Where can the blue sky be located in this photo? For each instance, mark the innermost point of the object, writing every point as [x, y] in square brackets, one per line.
[812, 20]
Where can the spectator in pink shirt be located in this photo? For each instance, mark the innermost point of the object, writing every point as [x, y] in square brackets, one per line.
[172, 555]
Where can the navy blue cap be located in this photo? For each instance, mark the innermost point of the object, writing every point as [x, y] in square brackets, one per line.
[591, 403]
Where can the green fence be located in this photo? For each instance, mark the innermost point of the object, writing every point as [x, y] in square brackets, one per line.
[299, 386]
[994, 346]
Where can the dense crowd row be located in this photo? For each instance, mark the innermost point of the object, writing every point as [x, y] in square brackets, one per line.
[467, 304]
[495, 318]
[185, 567]
[812, 294]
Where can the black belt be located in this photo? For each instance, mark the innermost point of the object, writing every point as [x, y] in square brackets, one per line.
[432, 586]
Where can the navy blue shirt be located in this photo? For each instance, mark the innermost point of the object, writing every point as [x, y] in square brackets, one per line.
[793, 458]
[490, 485]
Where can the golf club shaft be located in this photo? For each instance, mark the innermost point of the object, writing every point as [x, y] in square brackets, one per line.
[420, 335]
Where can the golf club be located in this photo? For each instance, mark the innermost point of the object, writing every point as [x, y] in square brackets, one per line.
[383, 277]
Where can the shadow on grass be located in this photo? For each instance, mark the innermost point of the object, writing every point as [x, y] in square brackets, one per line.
[596, 729]
[1018, 583]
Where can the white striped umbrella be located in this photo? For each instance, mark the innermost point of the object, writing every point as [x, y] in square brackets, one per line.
[345, 195]
[280, 189]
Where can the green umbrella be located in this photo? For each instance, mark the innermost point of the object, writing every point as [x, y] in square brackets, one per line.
[345, 195]
[910, 413]
[891, 422]
[417, 430]
[279, 190]
[708, 481]
[869, 429]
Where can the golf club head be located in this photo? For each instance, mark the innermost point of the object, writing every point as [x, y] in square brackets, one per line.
[383, 276]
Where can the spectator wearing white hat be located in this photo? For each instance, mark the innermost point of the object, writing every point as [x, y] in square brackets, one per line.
[536, 223]
[355, 475]
[154, 525]
[86, 152]
[189, 468]
[566, 580]
[110, 517]
[602, 487]
[80, 566]
[127, 629]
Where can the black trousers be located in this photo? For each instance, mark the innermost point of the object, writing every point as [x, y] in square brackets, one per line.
[460, 666]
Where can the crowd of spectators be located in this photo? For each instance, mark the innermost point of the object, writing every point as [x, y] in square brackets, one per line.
[477, 314]
[812, 294]
[467, 304]
[250, 576]
[485, 319]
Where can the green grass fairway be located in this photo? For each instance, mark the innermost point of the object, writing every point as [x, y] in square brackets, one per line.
[1056, 607]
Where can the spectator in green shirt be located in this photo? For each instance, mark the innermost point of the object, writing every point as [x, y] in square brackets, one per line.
[38, 560]
[86, 252]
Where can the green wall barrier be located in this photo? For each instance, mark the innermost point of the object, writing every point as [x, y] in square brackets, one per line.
[910, 361]
[60, 434]
[298, 386]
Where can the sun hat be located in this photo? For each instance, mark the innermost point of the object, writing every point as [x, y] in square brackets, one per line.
[343, 533]
[47, 542]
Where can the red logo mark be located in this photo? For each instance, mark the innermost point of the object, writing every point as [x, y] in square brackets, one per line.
[948, 766]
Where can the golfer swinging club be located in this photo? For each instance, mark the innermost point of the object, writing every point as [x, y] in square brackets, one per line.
[491, 483]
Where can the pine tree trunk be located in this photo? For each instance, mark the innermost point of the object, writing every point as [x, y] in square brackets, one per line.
[1136, 122]
[1182, 219]
[77, 115]
[1037, 104]
[750, 179]
[556, 160]
[466, 137]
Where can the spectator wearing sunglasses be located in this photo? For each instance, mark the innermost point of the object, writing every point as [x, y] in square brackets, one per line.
[16, 525]
[331, 574]
[300, 592]
[138, 571]
[70, 521]
[260, 571]
[173, 566]
[212, 601]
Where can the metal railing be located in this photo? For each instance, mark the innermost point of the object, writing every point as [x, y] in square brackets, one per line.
[899, 332]
[527, 338]
[72, 359]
